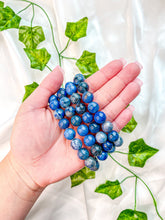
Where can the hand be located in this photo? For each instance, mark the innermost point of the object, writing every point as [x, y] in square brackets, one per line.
[38, 146]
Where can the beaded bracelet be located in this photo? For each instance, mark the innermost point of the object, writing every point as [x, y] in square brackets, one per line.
[75, 105]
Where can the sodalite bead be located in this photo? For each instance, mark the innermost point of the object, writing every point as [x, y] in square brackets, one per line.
[93, 107]
[107, 146]
[82, 130]
[70, 88]
[75, 98]
[76, 144]
[94, 127]
[61, 93]
[63, 123]
[76, 120]
[54, 104]
[70, 111]
[87, 97]
[59, 113]
[92, 163]
[101, 137]
[107, 126]
[83, 87]
[89, 140]
[69, 133]
[83, 153]
[87, 117]
[52, 98]
[100, 117]
[112, 149]
[64, 102]
[103, 156]
[80, 108]
[118, 142]
[78, 78]
[113, 136]
[96, 150]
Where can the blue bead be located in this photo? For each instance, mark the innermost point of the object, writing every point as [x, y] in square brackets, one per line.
[83, 87]
[87, 117]
[69, 133]
[103, 156]
[52, 98]
[78, 78]
[76, 144]
[112, 150]
[59, 113]
[63, 123]
[82, 130]
[100, 117]
[54, 104]
[94, 127]
[80, 108]
[64, 102]
[93, 107]
[101, 137]
[96, 150]
[87, 97]
[92, 163]
[113, 136]
[70, 88]
[76, 120]
[70, 111]
[75, 98]
[83, 153]
[89, 140]
[118, 142]
[61, 93]
[107, 126]
[107, 146]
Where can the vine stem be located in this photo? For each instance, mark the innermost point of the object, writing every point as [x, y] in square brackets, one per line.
[69, 58]
[120, 152]
[49, 68]
[135, 193]
[65, 47]
[126, 178]
[24, 9]
[130, 171]
[32, 16]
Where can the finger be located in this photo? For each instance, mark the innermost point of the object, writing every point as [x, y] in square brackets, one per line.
[98, 79]
[50, 85]
[112, 88]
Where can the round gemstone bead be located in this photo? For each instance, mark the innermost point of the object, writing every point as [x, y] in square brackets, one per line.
[87, 117]
[101, 137]
[112, 150]
[89, 140]
[59, 113]
[52, 98]
[118, 142]
[93, 107]
[69, 133]
[83, 87]
[96, 150]
[80, 108]
[94, 127]
[82, 130]
[87, 97]
[113, 136]
[100, 117]
[70, 88]
[70, 111]
[107, 126]
[83, 153]
[75, 98]
[92, 163]
[103, 156]
[54, 104]
[64, 102]
[78, 78]
[76, 120]
[76, 143]
[63, 123]
[107, 146]
[61, 93]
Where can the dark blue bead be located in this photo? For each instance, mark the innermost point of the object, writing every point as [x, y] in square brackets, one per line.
[78, 78]
[63, 123]
[118, 142]
[54, 104]
[101, 137]
[94, 127]
[76, 120]
[70, 111]
[83, 153]
[83, 87]
[107, 146]
[112, 150]
[107, 126]
[89, 140]
[100, 117]
[87, 117]
[61, 93]
[103, 156]
[93, 107]
[92, 163]
[59, 113]
[70, 88]
[52, 98]
[75, 98]
[96, 150]
[69, 133]
[64, 102]
[87, 97]
[80, 108]
[76, 144]
[82, 130]
[113, 136]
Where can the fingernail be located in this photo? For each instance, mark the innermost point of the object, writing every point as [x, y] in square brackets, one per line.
[58, 68]
[131, 107]
[137, 80]
[139, 64]
[123, 61]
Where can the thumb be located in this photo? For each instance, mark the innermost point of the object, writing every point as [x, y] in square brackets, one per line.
[50, 85]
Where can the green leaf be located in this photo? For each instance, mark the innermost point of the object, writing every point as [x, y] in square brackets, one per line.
[38, 57]
[112, 189]
[31, 37]
[81, 176]
[130, 126]
[1, 4]
[76, 30]
[8, 18]
[87, 63]
[29, 89]
[139, 153]
[129, 214]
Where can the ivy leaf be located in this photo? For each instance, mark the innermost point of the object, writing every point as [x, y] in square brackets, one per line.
[76, 30]
[1, 4]
[112, 189]
[8, 18]
[29, 89]
[81, 176]
[87, 63]
[129, 214]
[139, 153]
[31, 36]
[130, 126]
[38, 57]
